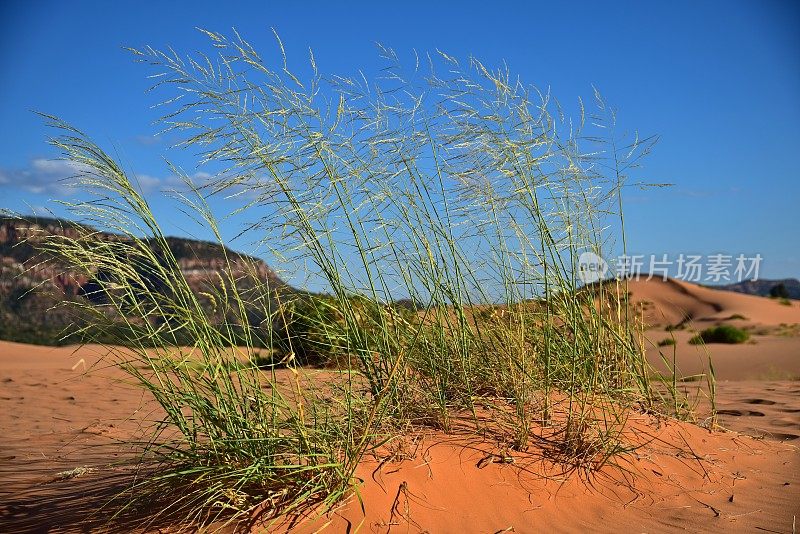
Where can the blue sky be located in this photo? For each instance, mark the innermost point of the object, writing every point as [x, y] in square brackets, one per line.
[719, 82]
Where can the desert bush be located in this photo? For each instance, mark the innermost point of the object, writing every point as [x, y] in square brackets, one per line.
[666, 342]
[310, 328]
[313, 329]
[779, 291]
[736, 316]
[721, 334]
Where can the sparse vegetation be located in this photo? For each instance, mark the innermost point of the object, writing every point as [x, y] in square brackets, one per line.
[721, 334]
[737, 316]
[779, 291]
[667, 341]
[485, 198]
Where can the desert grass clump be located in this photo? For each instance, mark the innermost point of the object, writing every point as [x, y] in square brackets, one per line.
[455, 188]
[721, 334]
[226, 444]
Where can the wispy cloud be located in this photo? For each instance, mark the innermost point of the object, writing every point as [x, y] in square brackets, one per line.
[54, 177]
[148, 140]
[42, 176]
[148, 183]
[198, 179]
[708, 193]
[216, 184]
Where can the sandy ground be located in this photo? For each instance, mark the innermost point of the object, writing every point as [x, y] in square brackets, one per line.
[683, 478]
[758, 382]
[672, 302]
[760, 358]
[62, 430]
[55, 418]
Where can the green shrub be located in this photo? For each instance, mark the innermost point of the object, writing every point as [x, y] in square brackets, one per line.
[314, 330]
[779, 291]
[666, 342]
[721, 334]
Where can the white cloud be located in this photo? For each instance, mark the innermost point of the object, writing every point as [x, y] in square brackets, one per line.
[54, 177]
[197, 179]
[148, 140]
[147, 183]
[41, 210]
[708, 193]
[42, 176]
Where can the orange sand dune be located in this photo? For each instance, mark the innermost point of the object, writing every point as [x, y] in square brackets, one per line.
[763, 357]
[682, 479]
[772, 353]
[59, 446]
[768, 409]
[671, 302]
